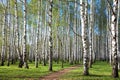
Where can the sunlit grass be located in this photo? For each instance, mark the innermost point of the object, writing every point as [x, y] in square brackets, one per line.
[14, 73]
[99, 71]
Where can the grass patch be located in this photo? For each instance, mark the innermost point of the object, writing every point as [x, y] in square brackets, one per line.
[99, 71]
[14, 73]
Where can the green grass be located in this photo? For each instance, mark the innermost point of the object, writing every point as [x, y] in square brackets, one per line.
[99, 71]
[14, 73]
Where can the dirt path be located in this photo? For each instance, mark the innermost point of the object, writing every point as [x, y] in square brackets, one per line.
[56, 75]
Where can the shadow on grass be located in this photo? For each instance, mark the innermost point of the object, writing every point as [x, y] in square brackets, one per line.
[93, 75]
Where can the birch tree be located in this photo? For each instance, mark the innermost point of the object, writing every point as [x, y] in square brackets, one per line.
[25, 36]
[50, 35]
[83, 13]
[114, 39]
[114, 10]
[17, 39]
[90, 33]
[8, 53]
[3, 38]
[37, 40]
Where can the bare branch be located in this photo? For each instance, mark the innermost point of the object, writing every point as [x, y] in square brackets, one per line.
[110, 7]
[75, 32]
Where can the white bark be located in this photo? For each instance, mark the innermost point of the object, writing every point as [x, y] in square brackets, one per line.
[25, 36]
[90, 33]
[114, 39]
[37, 38]
[50, 36]
[118, 32]
[84, 35]
[3, 39]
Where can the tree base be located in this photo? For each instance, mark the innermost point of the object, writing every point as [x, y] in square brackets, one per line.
[115, 73]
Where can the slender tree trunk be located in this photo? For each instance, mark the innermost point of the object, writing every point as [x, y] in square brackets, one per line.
[84, 35]
[45, 41]
[37, 40]
[3, 39]
[110, 43]
[90, 32]
[118, 15]
[31, 45]
[114, 39]
[57, 46]
[25, 36]
[75, 36]
[50, 36]
[13, 42]
[8, 55]
[69, 39]
[17, 36]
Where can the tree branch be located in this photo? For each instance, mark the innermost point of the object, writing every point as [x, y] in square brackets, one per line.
[75, 32]
[110, 7]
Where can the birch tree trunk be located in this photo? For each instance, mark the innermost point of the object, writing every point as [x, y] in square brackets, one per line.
[3, 39]
[25, 36]
[45, 41]
[13, 43]
[90, 32]
[17, 36]
[75, 36]
[114, 39]
[8, 55]
[69, 39]
[37, 40]
[50, 36]
[110, 43]
[118, 33]
[84, 35]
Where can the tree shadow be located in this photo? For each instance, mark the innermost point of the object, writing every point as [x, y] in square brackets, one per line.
[94, 75]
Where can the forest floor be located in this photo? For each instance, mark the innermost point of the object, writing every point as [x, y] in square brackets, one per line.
[56, 75]
[14, 73]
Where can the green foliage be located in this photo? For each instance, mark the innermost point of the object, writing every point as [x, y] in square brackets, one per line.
[99, 71]
[14, 73]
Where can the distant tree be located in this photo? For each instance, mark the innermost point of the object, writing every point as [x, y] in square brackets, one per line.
[3, 35]
[91, 33]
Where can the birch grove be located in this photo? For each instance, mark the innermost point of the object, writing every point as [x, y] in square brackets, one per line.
[45, 32]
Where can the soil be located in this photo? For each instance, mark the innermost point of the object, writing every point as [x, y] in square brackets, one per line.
[56, 75]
